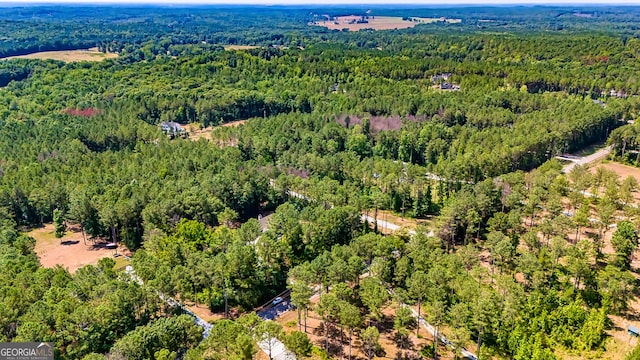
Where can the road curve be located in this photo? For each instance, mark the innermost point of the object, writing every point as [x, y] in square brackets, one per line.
[602, 153]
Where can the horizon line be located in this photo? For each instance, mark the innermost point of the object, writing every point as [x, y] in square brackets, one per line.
[326, 3]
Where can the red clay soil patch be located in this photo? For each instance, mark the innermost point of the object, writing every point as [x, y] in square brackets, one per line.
[378, 123]
[69, 251]
[88, 112]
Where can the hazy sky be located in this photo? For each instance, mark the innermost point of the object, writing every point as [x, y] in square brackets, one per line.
[302, 2]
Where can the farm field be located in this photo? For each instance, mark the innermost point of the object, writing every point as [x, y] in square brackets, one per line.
[91, 54]
[239, 47]
[378, 22]
[69, 251]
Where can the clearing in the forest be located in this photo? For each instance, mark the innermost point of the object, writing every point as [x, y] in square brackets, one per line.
[356, 23]
[92, 54]
[70, 251]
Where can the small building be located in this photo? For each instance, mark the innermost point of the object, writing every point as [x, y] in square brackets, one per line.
[633, 331]
[172, 129]
[449, 86]
[171, 126]
[443, 76]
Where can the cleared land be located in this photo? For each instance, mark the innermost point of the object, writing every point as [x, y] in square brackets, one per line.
[91, 54]
[621, 170]
[70, 251]
[405, 222]
[339, 338]
[196, 133]
[618, 343]
[377, 22]
[239, 47]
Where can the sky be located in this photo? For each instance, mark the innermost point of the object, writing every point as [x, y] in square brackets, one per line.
[337, 2]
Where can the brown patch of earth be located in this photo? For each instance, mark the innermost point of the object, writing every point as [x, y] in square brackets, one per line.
[92, 54]
[234, 123]
[351, 22]
[377, 123]
[621, 170]
[196, 133]
[239, 47]
[70, 251]
[339, 340]
[203, 312]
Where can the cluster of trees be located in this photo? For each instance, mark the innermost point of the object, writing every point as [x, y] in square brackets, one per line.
[241, 267]
[133, 30]
[117, 177]
[352, 129]
[625, 140]
[98, 311]
[129, 28]
[541, 287]
[81, 313]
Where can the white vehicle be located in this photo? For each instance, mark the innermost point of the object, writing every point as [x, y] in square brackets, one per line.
[277, 301]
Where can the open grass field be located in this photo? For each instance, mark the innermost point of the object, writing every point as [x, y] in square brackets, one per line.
[239, 47]
[377, 22]
[91, 54]
[70, 252]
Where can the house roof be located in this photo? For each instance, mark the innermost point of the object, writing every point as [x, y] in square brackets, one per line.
[171, 126]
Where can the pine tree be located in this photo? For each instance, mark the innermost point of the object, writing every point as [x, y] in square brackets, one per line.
[58, 223]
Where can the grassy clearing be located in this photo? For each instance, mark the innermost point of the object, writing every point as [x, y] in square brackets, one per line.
[91, 54]
[121, 263]
[377, 22]
[239, 47]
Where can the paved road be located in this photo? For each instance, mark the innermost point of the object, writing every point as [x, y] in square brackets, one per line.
[587, 159]
[441, 338]
[278, 350]
[370, 219]
[206, 327]
[274, 311]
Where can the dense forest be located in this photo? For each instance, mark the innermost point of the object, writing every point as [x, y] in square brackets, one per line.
[28, 29]
[453, 127]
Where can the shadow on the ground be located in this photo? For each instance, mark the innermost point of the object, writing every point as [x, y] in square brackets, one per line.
[70, 242]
